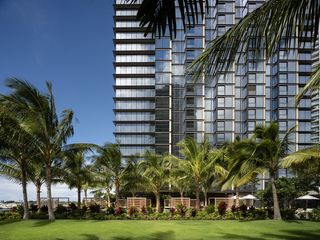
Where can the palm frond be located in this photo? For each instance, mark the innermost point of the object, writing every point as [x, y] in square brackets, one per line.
[301, 157]
[259, 33]
[159, 15]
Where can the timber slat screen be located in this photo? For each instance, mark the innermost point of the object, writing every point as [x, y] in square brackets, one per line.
[138, 202]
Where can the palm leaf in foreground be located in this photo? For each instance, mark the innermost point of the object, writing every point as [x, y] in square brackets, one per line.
[301, 157]
[261, 31]
[312, 85]
[158, 15]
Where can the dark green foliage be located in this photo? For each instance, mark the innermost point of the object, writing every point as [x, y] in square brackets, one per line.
[144, 210]
[288, 214]
[110, 211]
[73, 206]
[84, 208]
[172, 211]
[61, 209]
[10, 215]
[33, 208]
[118, 211]
[222, 207]
[133, 211]
[44, 209]
[94, 208]
[193, 212]
[181, 210]
[210, 209]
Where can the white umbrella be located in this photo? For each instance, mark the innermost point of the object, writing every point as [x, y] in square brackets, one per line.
[307, 197]
[249, 197]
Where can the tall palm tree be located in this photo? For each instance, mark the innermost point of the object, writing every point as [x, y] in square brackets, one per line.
[16, 150]
[155, 171]
[269, 151]
[37, 177]
[179, 180]
[158, 16]
[48, 132]
[76, 171]
[110, 157]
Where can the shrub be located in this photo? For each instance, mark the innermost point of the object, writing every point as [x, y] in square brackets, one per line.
[33, 208]
[84, 208]
[94, 208]
[193, 212]
[150, 209]
[10, 215]
[144, 210]
[229, 215]
[118, 211]
[133, 211]
[73, 206]
[210, 209]
[172, 211]
[181, 210]
[44, 209]
[110, 211]
[288, 214]
[61, 209]
[222, 207]
[315, 215]
[243, 208]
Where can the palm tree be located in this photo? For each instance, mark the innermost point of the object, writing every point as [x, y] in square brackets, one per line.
[16, 150]
[76, 172]
[110, 157]
[179, 180]
[37, 177]
[133, 180]
[158, 15]
[269, 151]
[48, 133]
[195, 162]
[155, 171]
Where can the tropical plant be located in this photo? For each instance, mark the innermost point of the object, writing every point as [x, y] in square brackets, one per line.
[47, 132]
[155, 171]
[109, 158]
[159, 15]
[77, 172]
[16, 150]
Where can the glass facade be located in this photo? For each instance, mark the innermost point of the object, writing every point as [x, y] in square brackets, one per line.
[157, 105]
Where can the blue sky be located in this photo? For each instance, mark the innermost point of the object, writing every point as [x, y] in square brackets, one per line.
[67, 42]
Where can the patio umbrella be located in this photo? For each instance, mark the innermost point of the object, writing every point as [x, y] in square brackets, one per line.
[249, 197]
[307, 197]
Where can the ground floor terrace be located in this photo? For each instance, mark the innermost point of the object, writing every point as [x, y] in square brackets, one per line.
[158, 230]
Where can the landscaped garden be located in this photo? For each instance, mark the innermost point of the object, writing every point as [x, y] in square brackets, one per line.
[158, 230]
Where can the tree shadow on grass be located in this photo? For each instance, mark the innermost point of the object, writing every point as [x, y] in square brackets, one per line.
[283, 235]
[42, 223]
[5, 222]
[154, 236]
[90, 237]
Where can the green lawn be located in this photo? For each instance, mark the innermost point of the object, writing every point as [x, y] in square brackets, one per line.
[158, 230]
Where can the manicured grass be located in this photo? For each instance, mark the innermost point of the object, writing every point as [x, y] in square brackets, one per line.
[158, 230]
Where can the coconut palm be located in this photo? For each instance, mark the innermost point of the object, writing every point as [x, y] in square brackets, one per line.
[37, 177]
[110, 158]
[195, 162]
[155, 171]
[269, 151]
[76, 171]
[179, 180]
[159, 15]
[16, 150]
[48, 133]
[133, 180]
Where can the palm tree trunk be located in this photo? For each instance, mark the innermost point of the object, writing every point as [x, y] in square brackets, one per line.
[276, 208]
[158, 207]
[85, 197]
[237, 197]
[197, 197]
[117, 191]
[108, 198]
[38, 189]
[79, 197]
[205, 192]
[49, 196]
[25, 194]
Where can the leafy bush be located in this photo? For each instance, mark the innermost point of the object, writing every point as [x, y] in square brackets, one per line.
[243, 208]
[181, 210]
[315, 215]
[229, 215]
[133, 211]
[192, 212]
[150, 209]
[94, 208]
[110, 211]
[288, 214]
[44, 209]
[172, 211]
[61, 209]
[84, 208]
[144, 210]
[210, 209]
[10, 215]
[118, 211]
[73, 206]
[222, 207]
[33, 208]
